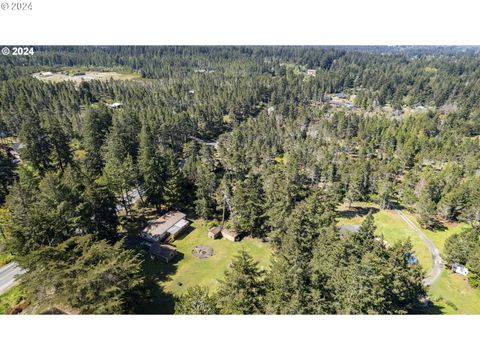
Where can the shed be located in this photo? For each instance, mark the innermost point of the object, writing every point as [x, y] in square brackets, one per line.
[312, 72]
[163, 252]
[214, 232]
[459, 269]
[230, 235]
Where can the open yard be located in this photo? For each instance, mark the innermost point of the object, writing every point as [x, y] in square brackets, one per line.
[451, 294]
[80, 76]
[390, 225]
[186, 270]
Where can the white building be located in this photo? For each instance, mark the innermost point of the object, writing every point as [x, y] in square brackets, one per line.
[460, 269]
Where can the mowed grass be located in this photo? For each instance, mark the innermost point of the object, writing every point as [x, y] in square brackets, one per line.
[390, 225]
[187, 270]
[439, 236]
[452, 293]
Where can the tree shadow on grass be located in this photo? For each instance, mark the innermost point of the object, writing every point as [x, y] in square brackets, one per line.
[355, 211]
[156, 300]
[431, 309]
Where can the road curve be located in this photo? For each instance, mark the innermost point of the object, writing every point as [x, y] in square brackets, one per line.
[8, 274]
[437, 266]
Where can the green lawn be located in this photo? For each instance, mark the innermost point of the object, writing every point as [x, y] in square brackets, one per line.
[186, 270]
[390, 225]
[439, 236]
[451, 293]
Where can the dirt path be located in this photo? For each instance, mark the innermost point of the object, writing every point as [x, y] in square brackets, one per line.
[437, 266]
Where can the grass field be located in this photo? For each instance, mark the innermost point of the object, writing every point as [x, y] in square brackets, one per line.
[186, 270]
[441, 235]
[451, 293]
[390, 225]
[87, 76]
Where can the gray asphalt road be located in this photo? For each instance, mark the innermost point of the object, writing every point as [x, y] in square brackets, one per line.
[8, 274]
[437, 267]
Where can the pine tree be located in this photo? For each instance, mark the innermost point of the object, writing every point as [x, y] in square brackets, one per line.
[196, 301]
[243, 288]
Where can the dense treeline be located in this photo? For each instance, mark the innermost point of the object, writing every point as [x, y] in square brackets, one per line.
[240, 134]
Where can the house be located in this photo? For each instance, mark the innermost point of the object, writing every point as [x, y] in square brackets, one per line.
[163, 252]
[459, 269]
[172, 223]
[46, 73]
[230, 235]
[312, 72]
[214, 232]
[115, 105]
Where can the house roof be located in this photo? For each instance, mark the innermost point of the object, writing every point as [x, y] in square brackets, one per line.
[229, 232]
[161, 225]
[215, 229]
[163, 250]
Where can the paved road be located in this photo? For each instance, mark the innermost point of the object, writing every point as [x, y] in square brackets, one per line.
[133, 196]
[437, 267]
[8, 274]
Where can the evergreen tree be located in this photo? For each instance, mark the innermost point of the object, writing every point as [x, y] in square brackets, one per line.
[196, 301]
[242, 290]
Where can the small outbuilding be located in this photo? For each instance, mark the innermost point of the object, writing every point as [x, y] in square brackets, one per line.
[312, 72]
[459, 269]
[214, 232]
[163, 252]
[230, 235]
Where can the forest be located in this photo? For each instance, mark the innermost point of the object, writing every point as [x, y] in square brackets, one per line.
[269, 140]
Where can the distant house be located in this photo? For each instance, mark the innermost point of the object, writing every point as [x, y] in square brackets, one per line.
[312, 72]
[163, 252]
[214, 232]
[46, 73]
[115, 105]
[459, 269]
[230, 235]
[172, 223]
